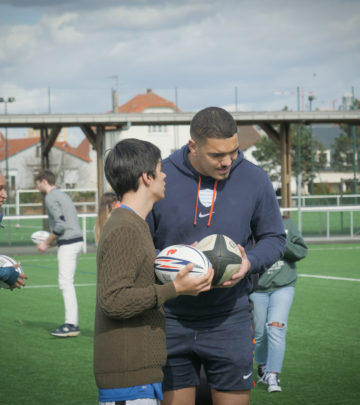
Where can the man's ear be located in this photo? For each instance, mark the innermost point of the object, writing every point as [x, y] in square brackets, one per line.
[192, 146]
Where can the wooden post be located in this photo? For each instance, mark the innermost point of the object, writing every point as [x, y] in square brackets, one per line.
[45, 162]
[99, 155]
[285, 144]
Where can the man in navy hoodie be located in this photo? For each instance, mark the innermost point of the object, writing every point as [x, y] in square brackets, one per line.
[212, 189]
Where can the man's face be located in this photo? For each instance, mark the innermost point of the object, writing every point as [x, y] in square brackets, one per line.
[41, 186]
[158, 184]
[3, 194]
[215, 157]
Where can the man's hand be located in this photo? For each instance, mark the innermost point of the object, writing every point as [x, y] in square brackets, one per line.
[20, 281]
[43, 246]
[244, 269]
[189, 285]
[47, 243]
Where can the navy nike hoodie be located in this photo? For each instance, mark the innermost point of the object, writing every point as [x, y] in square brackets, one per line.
[243, 207]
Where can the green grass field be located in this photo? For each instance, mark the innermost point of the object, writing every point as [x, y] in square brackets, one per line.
[18, 233]
[323, 341]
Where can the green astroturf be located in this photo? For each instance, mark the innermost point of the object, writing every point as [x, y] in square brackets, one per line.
[323, 341]
[18, 233]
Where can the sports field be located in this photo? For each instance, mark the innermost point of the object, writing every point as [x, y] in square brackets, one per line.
[323, 345]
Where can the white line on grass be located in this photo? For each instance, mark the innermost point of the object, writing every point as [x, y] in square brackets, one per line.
[43, 259]
[335, 248]
[329, 277]
[300, 275]
[56, 286]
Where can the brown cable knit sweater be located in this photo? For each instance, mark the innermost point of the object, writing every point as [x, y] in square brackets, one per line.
[129, 339]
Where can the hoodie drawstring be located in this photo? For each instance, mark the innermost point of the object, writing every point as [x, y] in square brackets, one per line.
[212, 202]
[197, 200]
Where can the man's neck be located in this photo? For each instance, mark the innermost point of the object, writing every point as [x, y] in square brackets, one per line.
[50, 188]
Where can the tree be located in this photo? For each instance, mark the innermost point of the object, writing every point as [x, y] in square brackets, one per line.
[313, 157]
[343, 158]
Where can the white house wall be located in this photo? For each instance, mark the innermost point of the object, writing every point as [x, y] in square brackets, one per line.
[25, 164]
[168, 141]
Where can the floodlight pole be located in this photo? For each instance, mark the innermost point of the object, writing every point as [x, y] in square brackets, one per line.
[353, 130]
[298, 145]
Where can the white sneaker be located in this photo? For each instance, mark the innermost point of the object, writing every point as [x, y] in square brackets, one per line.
[273, 382]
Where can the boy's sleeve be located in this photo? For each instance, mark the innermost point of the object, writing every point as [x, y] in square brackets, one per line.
[9, 275]
[119, 297]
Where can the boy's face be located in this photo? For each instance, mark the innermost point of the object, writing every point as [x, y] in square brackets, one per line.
[215, 157]
[158, 184]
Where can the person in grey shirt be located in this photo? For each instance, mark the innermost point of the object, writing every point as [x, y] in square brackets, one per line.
[66, 233]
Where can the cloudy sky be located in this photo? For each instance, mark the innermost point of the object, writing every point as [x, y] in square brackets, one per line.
[249, 53]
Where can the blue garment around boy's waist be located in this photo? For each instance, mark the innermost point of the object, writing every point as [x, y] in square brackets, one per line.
[131, 393]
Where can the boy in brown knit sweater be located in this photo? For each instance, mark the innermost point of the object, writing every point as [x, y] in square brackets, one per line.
[129, 339]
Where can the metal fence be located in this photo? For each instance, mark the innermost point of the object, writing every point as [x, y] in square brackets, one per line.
[327, 223]
[324, 200]
[19, 207]
[319, 224]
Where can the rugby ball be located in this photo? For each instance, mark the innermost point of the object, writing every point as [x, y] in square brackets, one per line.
[39, 236]
[6, 261]
[173, 258]
[224, 255]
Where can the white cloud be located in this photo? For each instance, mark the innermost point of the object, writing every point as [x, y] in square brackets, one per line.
[205, 48]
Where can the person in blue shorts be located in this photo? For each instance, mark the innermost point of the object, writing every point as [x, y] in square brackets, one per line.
[9, 274]
[213, 189]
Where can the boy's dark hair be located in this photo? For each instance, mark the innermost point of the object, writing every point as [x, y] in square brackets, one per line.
[127, 161]
[212, 122]
[46, 174]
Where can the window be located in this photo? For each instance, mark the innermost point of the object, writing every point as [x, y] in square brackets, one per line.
[157, 128]
[71, 178]
[12, 182]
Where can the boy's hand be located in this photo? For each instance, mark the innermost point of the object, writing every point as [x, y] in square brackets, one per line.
[188, 285]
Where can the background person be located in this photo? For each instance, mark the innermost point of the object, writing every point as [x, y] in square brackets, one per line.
[129, 338]
[108, 202]
[8, 274]
[212, 188]
[272, 300]
[66, 232]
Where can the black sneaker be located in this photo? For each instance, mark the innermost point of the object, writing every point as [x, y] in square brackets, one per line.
[261, 372]
[66, 330]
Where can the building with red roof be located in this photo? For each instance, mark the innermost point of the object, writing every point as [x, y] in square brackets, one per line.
[146, 102]
[166, 137]
[23, 161]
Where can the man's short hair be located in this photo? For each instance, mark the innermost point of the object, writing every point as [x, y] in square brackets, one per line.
[46, 174]
[127, 161]
[212, 122]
